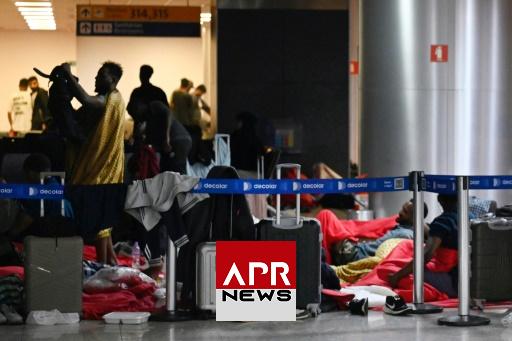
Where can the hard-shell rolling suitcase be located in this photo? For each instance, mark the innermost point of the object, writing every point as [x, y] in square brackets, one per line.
[205, 278]
[307, 234]
[491, 259]
[53, 270]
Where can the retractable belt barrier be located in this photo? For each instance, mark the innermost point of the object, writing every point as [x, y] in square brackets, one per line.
[295, 186]
[232, 186]
[443, 184]
[446, 184]
[32, 191]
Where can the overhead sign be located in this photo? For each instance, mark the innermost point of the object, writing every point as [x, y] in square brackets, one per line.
[106, 20]
[438, 53]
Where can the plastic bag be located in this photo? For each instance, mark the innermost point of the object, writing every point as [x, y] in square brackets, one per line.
[125, 275]
[114, 279]
[52, 317]
[102, 285]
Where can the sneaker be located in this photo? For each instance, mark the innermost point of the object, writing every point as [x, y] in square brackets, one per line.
[10, 314]
[301, 314]
[395, 305]
[358, 307]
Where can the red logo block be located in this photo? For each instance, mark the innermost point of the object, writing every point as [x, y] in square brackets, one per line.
[256, 281]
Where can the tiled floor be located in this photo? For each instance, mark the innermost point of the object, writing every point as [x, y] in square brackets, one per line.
[329, 326]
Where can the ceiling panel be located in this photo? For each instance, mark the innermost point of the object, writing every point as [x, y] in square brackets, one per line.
[65, 11]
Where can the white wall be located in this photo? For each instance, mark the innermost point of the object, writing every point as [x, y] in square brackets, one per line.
[171, 59]
[21, 51]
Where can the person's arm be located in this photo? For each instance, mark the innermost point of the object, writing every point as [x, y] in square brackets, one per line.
[9, 117]
[167, 148]
[205, 107]
[433, 243]
[92, 102]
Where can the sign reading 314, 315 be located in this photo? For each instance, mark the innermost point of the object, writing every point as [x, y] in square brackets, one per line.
[105, 20]
[138, 13]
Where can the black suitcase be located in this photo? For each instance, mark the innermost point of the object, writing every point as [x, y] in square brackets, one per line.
[491, 259]
[307, 234]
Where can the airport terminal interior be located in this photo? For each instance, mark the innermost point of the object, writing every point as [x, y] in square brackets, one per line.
[255, 169]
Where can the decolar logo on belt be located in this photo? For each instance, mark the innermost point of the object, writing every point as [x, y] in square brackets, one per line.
[215, 186]
[265, 186]
[313, 186]
[357, 185]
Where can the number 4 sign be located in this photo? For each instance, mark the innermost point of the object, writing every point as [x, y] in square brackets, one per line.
[438, 53]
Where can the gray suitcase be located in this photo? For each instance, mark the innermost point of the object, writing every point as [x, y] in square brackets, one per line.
[53, 271]
[205, 276]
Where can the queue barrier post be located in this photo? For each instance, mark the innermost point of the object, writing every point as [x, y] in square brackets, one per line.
[463, 319]
[417, 186]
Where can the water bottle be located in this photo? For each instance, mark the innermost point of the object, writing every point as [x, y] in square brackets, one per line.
[136, 255]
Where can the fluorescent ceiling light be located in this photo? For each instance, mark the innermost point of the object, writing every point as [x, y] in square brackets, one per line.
[33, 4]
[35, 9]
[205, 17]
[38, 14]
[38, 17]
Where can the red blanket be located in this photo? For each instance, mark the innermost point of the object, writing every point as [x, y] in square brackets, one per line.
[443, 261]
[138, 298]
[335, 229]
[12, 270]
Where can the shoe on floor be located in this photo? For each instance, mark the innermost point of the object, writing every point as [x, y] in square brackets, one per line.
[358, 307]
[11, 315]
[301, 314]
[3, 319]
[395, 305]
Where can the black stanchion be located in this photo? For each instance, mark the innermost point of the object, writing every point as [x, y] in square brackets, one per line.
[416, 185]
[463, 319]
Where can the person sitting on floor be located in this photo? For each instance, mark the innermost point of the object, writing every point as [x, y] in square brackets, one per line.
[443, 233]
[347, 251]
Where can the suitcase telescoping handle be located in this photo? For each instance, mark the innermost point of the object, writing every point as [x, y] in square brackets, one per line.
[216, 150]
[278, 197]
[42, 177]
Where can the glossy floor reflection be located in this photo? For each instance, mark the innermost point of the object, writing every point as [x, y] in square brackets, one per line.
[329, 326]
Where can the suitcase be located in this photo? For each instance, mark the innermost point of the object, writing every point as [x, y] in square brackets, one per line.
[205, 277]
[491, 259]
[53, 270]
[308, 237]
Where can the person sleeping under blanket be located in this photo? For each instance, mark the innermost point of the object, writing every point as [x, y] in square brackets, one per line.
[346, 251]
[352, 272]
[443, 236]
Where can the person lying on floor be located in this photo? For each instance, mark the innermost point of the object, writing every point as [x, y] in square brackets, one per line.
[443, 233]
[346, 251]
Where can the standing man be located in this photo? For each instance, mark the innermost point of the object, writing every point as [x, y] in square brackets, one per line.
[100, 159]
[19, 112]
[145, 94]
[183, 108]
[40, 113]
[182, 103]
